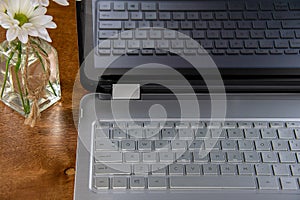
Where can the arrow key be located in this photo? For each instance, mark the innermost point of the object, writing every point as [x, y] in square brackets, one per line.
[157, 183]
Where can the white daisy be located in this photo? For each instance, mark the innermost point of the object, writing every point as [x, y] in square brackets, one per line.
[22, 19]
[46, 2]
[3, 5]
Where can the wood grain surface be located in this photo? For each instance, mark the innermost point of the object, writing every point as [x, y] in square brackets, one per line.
[38, 163]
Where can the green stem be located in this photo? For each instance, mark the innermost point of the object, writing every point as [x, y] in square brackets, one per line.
[43, 66]
[17, 68]
[6, 72]
[35, 43]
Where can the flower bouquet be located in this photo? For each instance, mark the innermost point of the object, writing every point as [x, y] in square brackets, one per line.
[29, 73]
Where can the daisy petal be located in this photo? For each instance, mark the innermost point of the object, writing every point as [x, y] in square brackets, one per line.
[39, 11]
[62, 2]
[12, 34]
[51, 25]
[40, 3]
[41, 20]
[23, 36]
[43, 33]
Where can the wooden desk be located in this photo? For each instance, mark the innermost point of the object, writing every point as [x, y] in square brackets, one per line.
[33, 161]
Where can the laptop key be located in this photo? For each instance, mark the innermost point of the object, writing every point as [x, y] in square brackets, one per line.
[287, 34]
[187, 6]
[159, 169]
[178, 145]
[217, 156]
[277, 124]
[245, 145]
[262, 145]
[273, 24]
[267, 133]
[118, 133]
[192, 16]
[228, 169]
[119, 182]
[129, 25]
[141, 169]
[110, 25]
[266, 44]
[102, 133]
[105, 6]
[144, 145]
[295, 169]
[119, 6]
[288, 183]
[136, 15]
[281, 170]
[101, 183]
[229, 145]
[150, 157]
[252, 133]
[116, 15]
[150, 16]
[160, 145]
[212, 144]
[176, 169]
[297, 132]
[192, 169]
[281, 5]
[148, 6]
[164, 15]
[280, 145]
[106, 144]
[201, 156]
[295, 145]
[110, 157]
[252, 157]
[263, 169]
[235, 133]
[114, 169]
[290, 24]
[286, 134]
[166, 156]
[291, 51]
[131, 157]
[245, 169]
[253, 6]
[178, 15]
[157, 182]
[269, 157]
[234, 157]
[259, 25]
[210, 169]
[293, 124]
[137, 182]
[287, 157]
[212, 182]
[133, 6]
[268, 183]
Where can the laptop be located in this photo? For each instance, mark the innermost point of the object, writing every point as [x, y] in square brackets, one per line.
[193, 99]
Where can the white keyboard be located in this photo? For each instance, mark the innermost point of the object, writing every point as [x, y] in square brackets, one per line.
[256, 155]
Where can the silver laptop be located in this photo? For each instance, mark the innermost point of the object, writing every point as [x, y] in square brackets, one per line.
[189, 100]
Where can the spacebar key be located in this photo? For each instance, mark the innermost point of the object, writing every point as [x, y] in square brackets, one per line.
[192, 5]
[212, 182]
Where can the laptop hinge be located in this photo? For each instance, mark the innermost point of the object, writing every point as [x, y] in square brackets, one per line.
[126, 91]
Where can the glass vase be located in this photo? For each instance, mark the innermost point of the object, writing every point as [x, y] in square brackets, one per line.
[29, 76]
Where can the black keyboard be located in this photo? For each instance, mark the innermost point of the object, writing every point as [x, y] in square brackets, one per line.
[221, 28]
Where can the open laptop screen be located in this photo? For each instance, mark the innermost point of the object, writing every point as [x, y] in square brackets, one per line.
[253, 44]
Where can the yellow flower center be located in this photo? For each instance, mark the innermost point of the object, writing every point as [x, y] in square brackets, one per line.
[21, 18]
